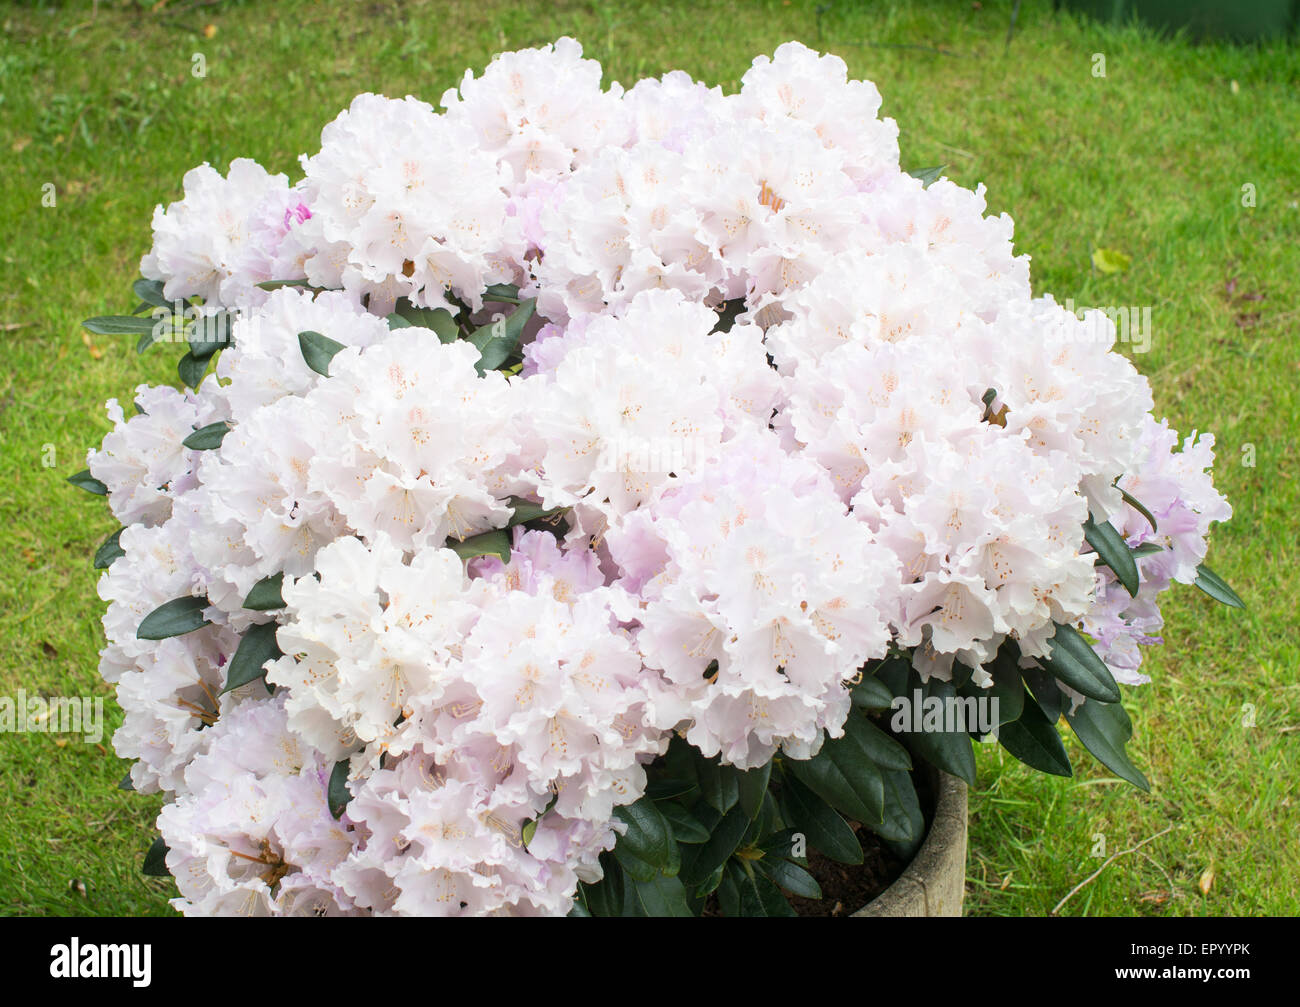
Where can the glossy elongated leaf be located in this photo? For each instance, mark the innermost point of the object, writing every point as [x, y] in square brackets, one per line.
[879, 747]
[687, 828]
[1104, 729]
[950, 751]
[318, 351]
[1074, 662]
[506, 292]
[1217, 588]
[277, 284]
[256, 647]
[119, 325]
[665, 788]
[144, 342]
[1046, 692]
[605, 898]
[698, 862]
[872, 694]
[903, 825]
[439, 320]
[191, 369]
[155, 860]
[1132, 502]
[265, 596]
[790, 876]
[1113, 551]
[337, 794]
[497, 340]
[83, 480]
[843, 776]
[658, 896]
[749, 893]
[753, 788]
[209, 333]
[1008, 688]
[208, 438]
[523, 511]
[490, 543]
[928, 175]
[1146, 549]
[174, 618]
[718, 784]
[825, 829]
[110, 550]
[647, 848]
[1033, 739]
[151, 292]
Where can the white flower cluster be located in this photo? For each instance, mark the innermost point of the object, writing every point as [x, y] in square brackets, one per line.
[792, 406]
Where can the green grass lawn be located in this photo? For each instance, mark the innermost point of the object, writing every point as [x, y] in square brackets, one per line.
[1149, 160]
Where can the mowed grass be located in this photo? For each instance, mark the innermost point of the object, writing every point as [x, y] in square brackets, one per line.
[1149, 160]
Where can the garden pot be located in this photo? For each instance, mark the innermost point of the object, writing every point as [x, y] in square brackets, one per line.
[934, 883]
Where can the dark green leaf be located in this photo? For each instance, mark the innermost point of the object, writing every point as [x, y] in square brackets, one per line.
[174, 618]
[728, 311]
[1146, 549]
[843, 776]
[191, 369]
[337, 794]
[318, 350]
[752, 786]
[903, 824]
[126, 783]
[1046, 692]
[1008, 687]
[747, 893]
[255, 648]
[144, 342]
[718, 784]
[523, 511]
[790, 876]
[83, 480]
[497, 340]
[825, 829]
[1072, 660]
[506, 292]
[1216, 587]
[1113, 551]
[872, 694]
[109, 551]
[155, 860]
[490, 543]
[118, 325]
[1034, 741]
[265, 594]
[647, 847]
[439, 320]
[1104, 728]
[686, 827]
[151, 292]
[657, 896]
[208, 438]
[277, 284]
[1128, 499]
[667, 787]
[948, 750]
[209, 333]
[698, 862]
[605, 897]
[928, 175]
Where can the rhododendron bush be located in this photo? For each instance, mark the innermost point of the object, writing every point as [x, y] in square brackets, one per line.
[566, 484]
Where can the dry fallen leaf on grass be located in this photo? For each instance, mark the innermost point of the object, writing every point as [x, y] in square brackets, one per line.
[1207, 879]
